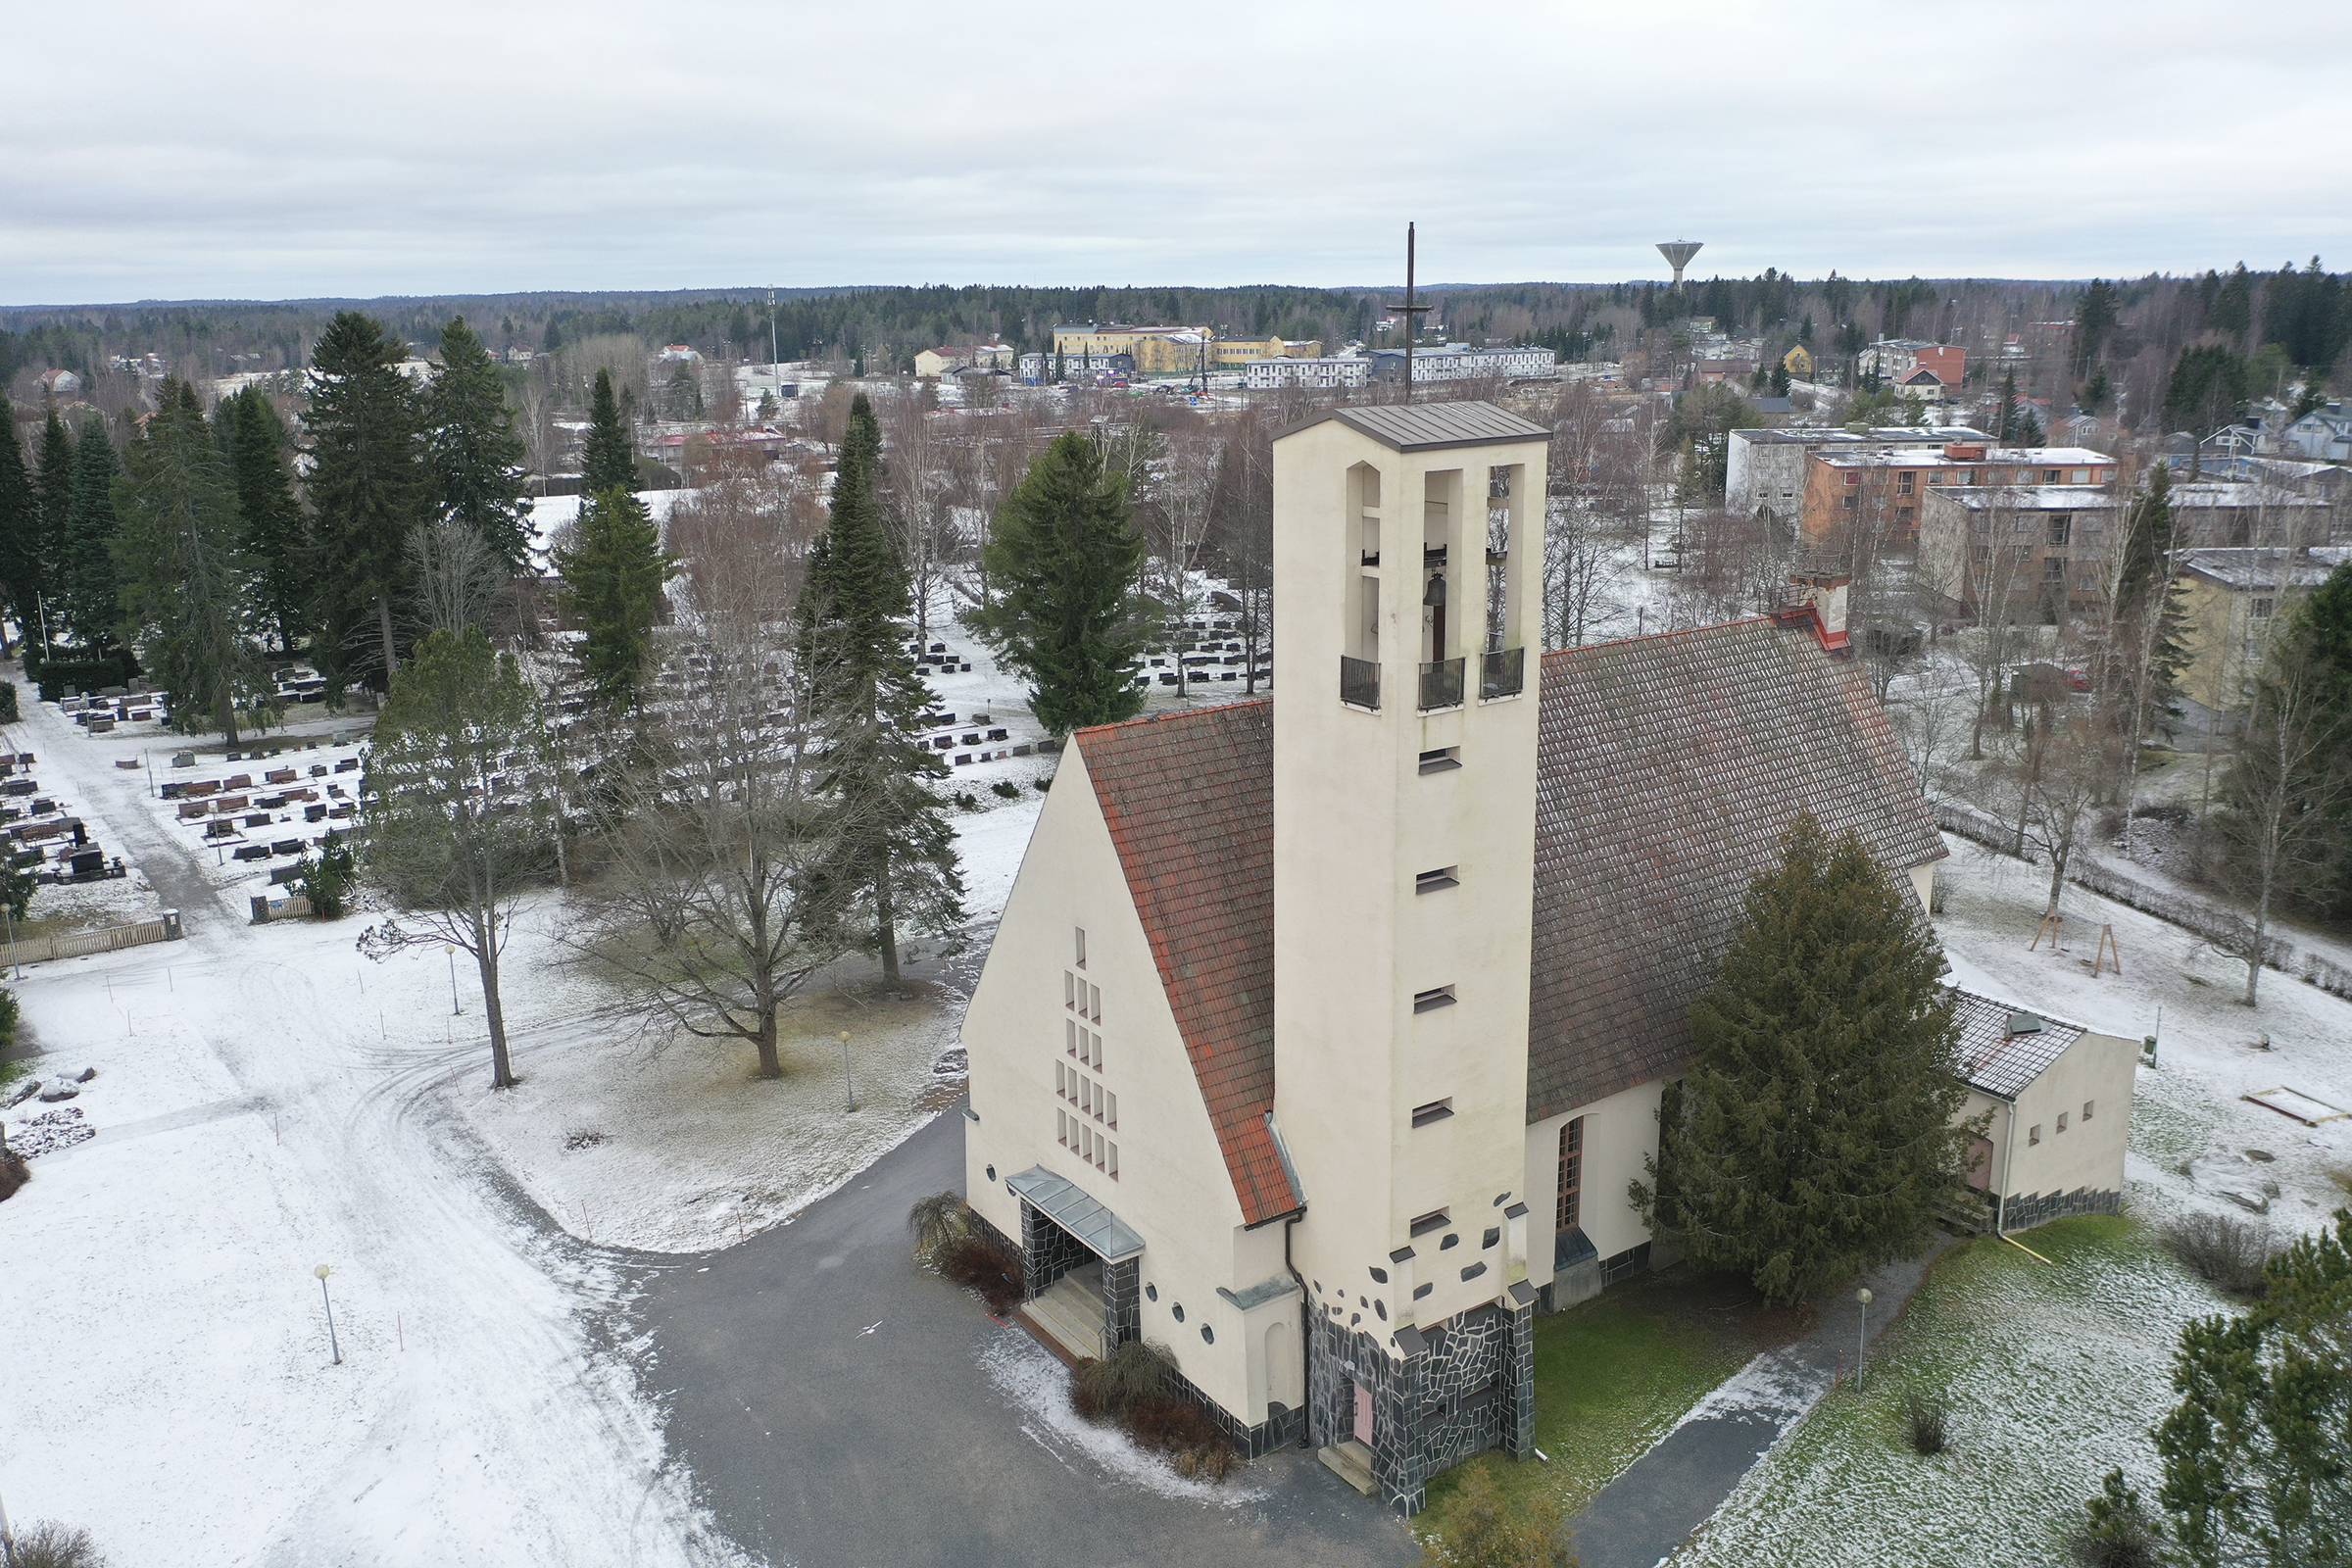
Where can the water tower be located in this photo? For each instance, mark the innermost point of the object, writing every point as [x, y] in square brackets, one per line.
[1677, 253]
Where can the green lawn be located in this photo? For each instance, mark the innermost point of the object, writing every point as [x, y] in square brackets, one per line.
[1611, 1377]
[2054, 1373]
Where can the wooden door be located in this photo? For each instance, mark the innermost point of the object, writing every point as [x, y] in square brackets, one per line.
[1363, 1415]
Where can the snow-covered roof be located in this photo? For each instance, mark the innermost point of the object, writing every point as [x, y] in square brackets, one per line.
[2005, 1047]
[2268, 568]
[2028, 497]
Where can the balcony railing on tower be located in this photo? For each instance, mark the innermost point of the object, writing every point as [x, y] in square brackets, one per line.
[1360, 681]
[1504, 673]
[1441, 684]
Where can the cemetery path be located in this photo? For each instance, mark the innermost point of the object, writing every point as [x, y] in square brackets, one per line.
[1644, 1516]
[839, 1405]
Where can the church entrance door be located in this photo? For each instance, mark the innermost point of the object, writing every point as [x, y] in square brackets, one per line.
[1363, 1415]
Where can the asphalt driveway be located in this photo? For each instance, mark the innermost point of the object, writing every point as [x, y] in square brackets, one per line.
[828, 1398]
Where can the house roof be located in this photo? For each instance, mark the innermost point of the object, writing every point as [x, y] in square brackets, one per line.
[1423, 426]
[1189, 799]
[2267, 569]
[1670, 765]
[2001, 1063]
[1668, 768]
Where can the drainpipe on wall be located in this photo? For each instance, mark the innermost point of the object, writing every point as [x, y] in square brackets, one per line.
[1307, 1384]
[2000, 1218]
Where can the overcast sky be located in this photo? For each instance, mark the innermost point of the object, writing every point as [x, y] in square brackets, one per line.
[273, 149]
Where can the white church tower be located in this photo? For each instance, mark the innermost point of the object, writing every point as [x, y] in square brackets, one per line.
[1407, 549]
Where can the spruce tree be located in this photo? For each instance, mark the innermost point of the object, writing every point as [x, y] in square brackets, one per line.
[187, 604]
[2007, 416]
[52, 489]
[1062, 554]
[610, 460]
[274, 531]
[369, 489]
[893, 865]
[1815, 1132]
[19, 535]
[612, 575]
[89, 584]
[478, 460]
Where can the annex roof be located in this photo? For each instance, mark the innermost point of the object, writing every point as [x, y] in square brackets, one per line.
[1670, 765]
[1820, 435]
[2002, 1063]
[2026, 456]
[1189, 799]
[1430, 426]
[2028, 497]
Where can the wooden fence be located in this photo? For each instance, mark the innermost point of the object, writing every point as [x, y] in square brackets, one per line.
[81, 944]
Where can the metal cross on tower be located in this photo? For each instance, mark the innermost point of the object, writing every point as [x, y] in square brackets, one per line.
[1408, 310]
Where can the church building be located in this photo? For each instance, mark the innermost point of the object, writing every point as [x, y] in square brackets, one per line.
[1323, 1035]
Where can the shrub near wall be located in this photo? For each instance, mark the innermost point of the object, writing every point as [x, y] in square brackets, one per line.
[53, 676]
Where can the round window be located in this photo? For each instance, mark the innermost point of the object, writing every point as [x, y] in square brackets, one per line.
[1209, 1335]
[1150, 1292]
[992, 1173]
[1178, 1309]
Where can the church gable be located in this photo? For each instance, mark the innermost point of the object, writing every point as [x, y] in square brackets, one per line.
[1188, 798]
[1671, 765]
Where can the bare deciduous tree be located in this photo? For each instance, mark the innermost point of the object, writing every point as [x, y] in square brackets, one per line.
[710, 831]
[457, 579]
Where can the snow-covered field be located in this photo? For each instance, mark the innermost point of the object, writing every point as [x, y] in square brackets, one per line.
[267, 1100]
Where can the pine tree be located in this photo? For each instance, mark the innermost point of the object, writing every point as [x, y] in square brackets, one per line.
[369, 486]
[275, 534]
[1815, 1134]
[478, 460]
[2007, 416]
[186, 600]
[52, 489]
[610, 460]
[19, 534]
[894, 864]
[89, 583]
[1062, 556]
[612, 579]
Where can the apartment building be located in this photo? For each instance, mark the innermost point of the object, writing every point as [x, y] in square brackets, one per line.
[1459, 361]
[2048, 549]
[1337, 371]
[1765, 470]
[1885, 489]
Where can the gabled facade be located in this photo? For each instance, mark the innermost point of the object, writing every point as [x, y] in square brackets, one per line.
[1322, 1036]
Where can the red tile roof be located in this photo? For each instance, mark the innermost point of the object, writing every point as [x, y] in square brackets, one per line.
[1189, 802]
[1668, 768]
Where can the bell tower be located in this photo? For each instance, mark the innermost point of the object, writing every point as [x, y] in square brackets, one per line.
[1408, 541]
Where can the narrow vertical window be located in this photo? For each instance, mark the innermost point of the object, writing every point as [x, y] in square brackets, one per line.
[1572, 1174]
[2086, 1106]
[1095, 1007]
[1062, 1082]
[1069, 989]
[1069, 1037]
[1061, 1127]
[1112, 1101]
[1081, 947]
[1115, 1161]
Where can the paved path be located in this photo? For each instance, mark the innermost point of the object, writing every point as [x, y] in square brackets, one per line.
[1641, 1518]
[821, 1442]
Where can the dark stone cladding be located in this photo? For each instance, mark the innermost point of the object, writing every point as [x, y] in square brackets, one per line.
[1468, 1387]
[1048, 1252]
[2038, 1208]
[1588, 1277]
[1122, 1302]
[1281, 1426]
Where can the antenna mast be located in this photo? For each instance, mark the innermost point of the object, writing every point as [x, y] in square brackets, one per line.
[1408, 310]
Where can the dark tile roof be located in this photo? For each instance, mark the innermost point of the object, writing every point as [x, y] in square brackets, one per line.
[2001, 1063]
[1425, 427]
[1189, 802]
[1670, 766]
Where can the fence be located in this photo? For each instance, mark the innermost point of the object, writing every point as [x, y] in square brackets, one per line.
[81, 944]
[2225, 929]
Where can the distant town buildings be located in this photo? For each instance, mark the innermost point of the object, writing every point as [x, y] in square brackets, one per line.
[966, 356]
[1765, 470]
[1887, 488]
[1459, 361]
[1343, 371]
[1899, 362]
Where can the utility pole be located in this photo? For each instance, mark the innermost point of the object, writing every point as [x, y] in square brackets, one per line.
[1410, 310]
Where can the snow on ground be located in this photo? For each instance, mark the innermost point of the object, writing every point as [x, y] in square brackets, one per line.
[116, 900]
[2055, 1374]
[1039, 1386]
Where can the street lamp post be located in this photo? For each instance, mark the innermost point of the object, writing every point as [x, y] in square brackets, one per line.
[848, 1090]
[332, 1343]
[1861, 1331]
[452, 953]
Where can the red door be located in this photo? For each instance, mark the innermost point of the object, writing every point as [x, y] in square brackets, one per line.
[1363, 1415]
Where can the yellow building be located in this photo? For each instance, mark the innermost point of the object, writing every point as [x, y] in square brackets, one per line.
[1797, 360]
[1175, 349]
[2229, 600]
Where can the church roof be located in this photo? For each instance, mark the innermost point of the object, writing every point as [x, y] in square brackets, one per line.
[1189, 799]
[1668, 768]
[1670, 765]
